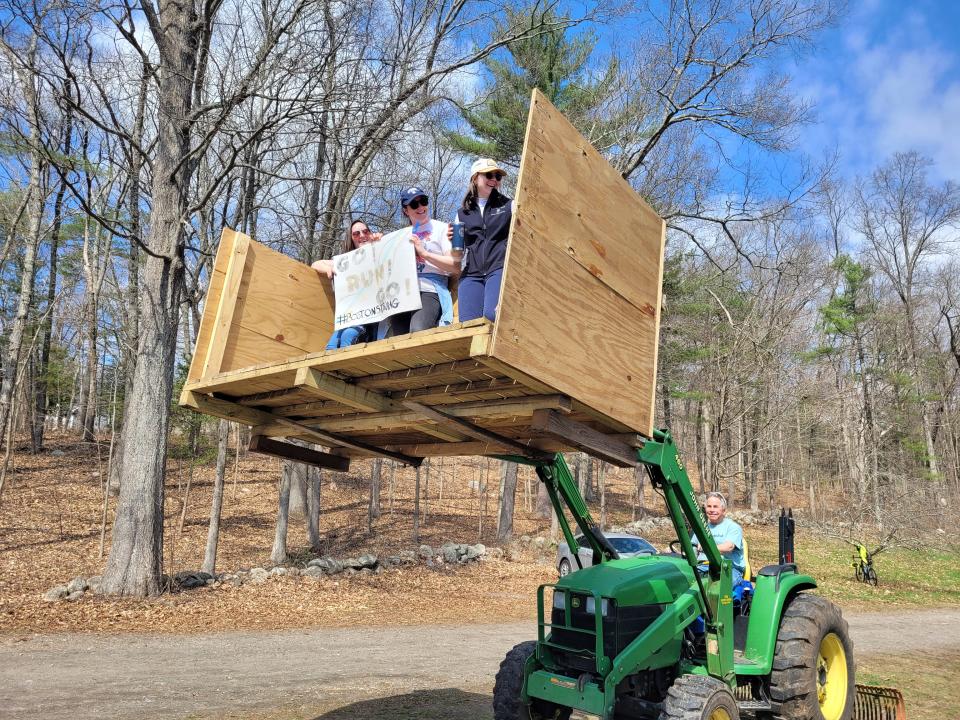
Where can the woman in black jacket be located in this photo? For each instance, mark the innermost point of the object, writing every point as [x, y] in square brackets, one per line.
[485, 215]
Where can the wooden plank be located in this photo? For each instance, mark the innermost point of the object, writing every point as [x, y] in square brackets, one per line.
[446, 344]
[223, 320]
[580, 298]
[522, 407]
[584, 438]
[472, 448]
[331, 388]
[218, 407]
[476, 431]
[210, 305]
[289, 451]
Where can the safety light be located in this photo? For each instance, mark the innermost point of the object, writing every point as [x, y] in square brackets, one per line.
[592, 606]
[559, 599]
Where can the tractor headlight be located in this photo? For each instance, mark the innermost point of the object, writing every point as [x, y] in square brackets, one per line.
[592, 606]
[559, 600]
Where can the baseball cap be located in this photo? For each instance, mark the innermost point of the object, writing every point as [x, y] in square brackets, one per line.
[485, 165]
[410, 193]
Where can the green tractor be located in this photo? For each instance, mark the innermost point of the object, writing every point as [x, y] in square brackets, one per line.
[658, 637]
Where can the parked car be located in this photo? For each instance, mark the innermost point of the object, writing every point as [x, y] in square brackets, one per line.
[626, 544]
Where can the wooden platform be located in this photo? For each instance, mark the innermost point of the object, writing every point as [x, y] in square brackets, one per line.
[570, 362]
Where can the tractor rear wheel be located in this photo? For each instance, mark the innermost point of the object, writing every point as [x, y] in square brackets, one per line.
[699, 697]
[813, 672]
[508, 685]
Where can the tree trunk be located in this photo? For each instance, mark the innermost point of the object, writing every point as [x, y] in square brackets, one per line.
[373, 508]
[508, 491]
[213, 531]
[278, 555]
[15, 341]
[313, 508]
[136, 554]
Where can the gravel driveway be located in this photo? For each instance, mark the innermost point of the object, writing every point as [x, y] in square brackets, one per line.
[409, 672]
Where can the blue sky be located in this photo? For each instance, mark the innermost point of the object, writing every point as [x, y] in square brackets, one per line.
[886, 80]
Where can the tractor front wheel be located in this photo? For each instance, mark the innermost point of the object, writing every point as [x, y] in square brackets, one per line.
[813, 672]
[699, 697]
[508, 685]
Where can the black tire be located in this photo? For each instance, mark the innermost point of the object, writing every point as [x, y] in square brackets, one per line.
[870, 576]
[564, 568]
[699, 697]
[858, 571]
[508, 685]
[813, 669]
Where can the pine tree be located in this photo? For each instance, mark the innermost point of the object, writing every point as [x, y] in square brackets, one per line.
[549, 61]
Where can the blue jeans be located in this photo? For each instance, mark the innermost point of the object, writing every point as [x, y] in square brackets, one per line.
[346, 337]
[478, 296]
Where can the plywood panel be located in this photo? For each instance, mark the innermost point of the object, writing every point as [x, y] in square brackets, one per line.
[580, 301]
[282, 301]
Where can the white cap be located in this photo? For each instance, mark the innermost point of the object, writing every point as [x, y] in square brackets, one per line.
[485, 165]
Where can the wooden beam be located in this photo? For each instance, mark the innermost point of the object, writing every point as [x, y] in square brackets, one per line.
[583, 437]
[478, 432]
[472, 447]
[333, 388]
[289, 451]
[389, 422]
[226, 306]
[218, 407]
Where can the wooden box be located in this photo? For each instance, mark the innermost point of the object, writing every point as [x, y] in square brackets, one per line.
[569, 363]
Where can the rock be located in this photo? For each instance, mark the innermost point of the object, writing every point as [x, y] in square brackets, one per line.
[278, 570]
[56, 593]
[514, 554]
[525, 539]
[188, 580]
[292, 571]
[329, 566]
[450, 552]
[408, 557]
[539, 542]
[58, 453]
[258, 576]
[474, 551]
[231, 579]
[368, 561]
[94, 583]
[495, 553]
[425, 552]
[78, 584]
[313, 572]
[349, 571]
[74, 596]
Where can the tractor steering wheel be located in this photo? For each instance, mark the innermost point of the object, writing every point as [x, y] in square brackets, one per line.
[675, 547]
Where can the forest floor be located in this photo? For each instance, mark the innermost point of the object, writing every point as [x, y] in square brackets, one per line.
[50, 530]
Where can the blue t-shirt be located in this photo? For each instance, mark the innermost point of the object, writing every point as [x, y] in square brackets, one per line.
[728, 531]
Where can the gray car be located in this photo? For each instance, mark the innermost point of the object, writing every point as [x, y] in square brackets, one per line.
[626, 544]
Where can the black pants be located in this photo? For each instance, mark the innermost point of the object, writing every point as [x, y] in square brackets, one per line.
[428, 316]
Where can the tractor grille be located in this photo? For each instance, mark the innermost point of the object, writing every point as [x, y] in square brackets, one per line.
[620, 627]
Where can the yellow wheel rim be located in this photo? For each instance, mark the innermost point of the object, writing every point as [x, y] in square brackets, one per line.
[719, 714]
[831, 677]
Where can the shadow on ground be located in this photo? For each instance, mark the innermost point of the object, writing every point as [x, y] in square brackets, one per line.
[441, 704]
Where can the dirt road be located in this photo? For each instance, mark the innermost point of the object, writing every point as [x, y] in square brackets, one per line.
[371, 673]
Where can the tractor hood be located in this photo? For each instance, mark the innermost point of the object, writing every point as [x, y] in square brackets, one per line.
[633, 581]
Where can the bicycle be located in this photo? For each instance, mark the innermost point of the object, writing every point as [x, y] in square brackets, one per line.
[863, 568]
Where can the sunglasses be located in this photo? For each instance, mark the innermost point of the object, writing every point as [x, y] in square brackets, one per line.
[498, 176]
[360, 233]
[418, 202]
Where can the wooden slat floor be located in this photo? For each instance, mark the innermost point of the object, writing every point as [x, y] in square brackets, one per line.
[362, 393]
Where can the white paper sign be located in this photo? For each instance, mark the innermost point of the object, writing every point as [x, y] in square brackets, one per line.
[376, 280]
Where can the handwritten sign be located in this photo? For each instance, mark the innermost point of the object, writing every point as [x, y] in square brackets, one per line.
[376, 280]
